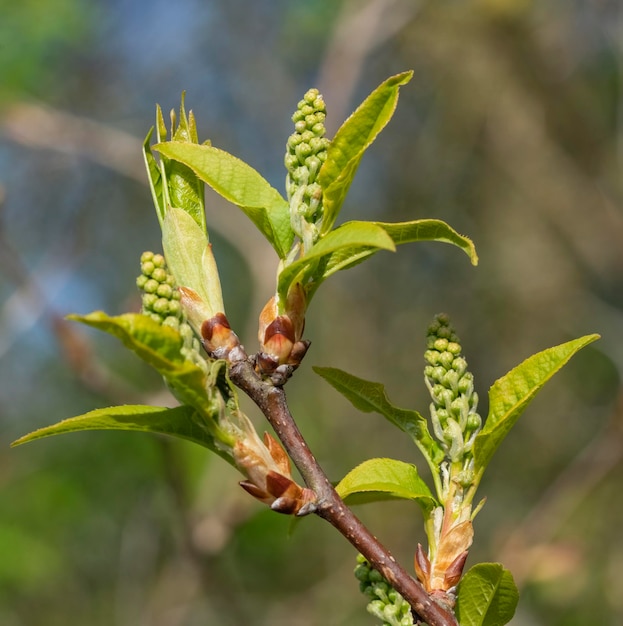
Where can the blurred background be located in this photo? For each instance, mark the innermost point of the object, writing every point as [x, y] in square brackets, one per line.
[511, 130]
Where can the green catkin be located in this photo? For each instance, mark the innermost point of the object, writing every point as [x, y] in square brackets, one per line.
[305, 154]
[161, 302]
[385, 603]
[456, 421]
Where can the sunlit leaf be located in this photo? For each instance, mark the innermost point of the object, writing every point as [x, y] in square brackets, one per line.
[337, 250]
[385, 479]
[182, 422]
[429, 230]
[155, 178]
[240, 184]
[351, 141]
[486, 596]
[190, 259]
[371, 397]
[511, 394]
[400, 233]
[185, 190]
[160, 347]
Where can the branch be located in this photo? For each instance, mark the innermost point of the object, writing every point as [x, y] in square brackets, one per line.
[272, 402]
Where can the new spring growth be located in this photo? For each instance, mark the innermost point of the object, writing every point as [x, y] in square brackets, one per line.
[385, 603]
[267, 468]
[178, 196]
[455, 424]
[161, 301]
[282, 320]
[280, 336]
[454, 415]
[306, 152]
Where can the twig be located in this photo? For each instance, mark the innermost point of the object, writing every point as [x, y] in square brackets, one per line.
[272, 402]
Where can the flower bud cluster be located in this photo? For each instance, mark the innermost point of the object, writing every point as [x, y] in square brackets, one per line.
[455, 419]
[385, 603]
[161, 302]
[306, 152]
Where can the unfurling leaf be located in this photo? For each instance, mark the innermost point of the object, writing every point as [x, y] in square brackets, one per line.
[190, 259]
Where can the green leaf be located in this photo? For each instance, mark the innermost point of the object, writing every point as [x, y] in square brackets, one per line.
[240, 184]
[173, 183]
[371, 397]
[185, 190]
[486, 596]
[340, 249]
[400, 233]
[385, 479]
[429, 230]
[511, 394]
[160, 347]
[182, 422]
[155, 178]
[351, 141]
[190, 259]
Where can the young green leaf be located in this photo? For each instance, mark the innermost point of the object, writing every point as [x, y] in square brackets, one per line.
[190, 259]
[159, 346]
[400, 232]
[182, 422]
[240, 184]
[385, 479]
[337, 250]
[429, 230]
[155, 178]
[351, 141]
[511, 394]
[486, 596]
[371, 397]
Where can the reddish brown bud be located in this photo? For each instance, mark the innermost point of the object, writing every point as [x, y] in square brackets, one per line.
[422, 567]
[255, 491]
[278, 454]
[218, 338]
[279, 339]
[280, 330]
[277, 485]
[454, 572]
[267, 468]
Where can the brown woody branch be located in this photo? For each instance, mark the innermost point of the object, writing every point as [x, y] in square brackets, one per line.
[272, 402]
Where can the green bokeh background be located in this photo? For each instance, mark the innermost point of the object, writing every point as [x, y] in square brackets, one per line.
[511, 131]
